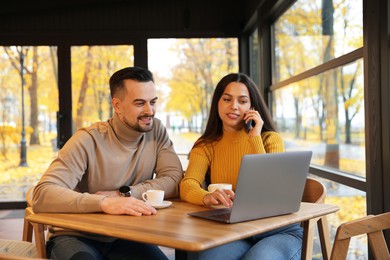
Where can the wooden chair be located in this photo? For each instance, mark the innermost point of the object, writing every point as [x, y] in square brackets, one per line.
[315, 192]
[373, 226]
[29, 228]
[14, 249]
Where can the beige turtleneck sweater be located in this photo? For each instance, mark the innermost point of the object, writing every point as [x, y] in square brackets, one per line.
[222, 159]
[104, 157]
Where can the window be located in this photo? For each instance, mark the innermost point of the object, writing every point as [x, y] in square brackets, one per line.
[318, 81]
[310, 34]
[92, 67]
[27, 117]
[325, 118]
[318, 95]
[186, 72]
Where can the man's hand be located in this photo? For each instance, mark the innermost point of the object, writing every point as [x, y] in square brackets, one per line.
[126, 205]
[218, 197]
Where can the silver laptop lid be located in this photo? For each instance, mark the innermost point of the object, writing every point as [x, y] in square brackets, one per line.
[270, 184]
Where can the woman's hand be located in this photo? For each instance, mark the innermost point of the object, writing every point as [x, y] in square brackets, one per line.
[255, 117]
[224, 197]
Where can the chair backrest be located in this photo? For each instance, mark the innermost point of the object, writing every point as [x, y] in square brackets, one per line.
[29, 196]
[29, 228]
[371, 225]
[314, 191]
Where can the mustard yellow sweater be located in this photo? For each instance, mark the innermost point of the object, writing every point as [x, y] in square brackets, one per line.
[223, 159]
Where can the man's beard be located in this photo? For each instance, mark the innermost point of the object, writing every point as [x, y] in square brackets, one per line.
[138, 127]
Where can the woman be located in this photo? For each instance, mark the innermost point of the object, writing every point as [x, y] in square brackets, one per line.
[239, 123]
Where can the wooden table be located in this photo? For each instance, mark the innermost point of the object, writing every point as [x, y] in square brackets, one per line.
[173, 227]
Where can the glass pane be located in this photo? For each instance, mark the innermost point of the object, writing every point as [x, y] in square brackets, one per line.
[92, 67]
[254, 57]
[186, 72]
[27, 117]
[352, 204]
[312, 32]
[325, 114]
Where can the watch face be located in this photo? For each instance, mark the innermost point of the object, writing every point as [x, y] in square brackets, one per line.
[124, 189]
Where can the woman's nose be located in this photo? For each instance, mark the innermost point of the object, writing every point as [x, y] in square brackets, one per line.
[234, 105]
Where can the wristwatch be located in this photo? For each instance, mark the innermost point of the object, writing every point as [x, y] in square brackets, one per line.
[125, 191]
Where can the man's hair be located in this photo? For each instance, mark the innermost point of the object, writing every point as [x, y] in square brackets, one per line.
[133, 73]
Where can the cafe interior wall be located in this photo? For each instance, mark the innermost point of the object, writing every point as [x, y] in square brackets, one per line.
[93, 20]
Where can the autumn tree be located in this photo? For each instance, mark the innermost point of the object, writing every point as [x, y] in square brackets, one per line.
[312, 34]
[294, 54]
[352, 94]
[31, 69]
[8, 100]
[203, 62]
[33, 91]
[48, 94]
[80, 104]
[92, 66]
[350, 85]
[332, 154]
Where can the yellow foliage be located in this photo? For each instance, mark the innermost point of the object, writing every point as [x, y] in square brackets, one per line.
[351, 207]
[38, 159]
[13, 133]
[203, 63]
[105, 60]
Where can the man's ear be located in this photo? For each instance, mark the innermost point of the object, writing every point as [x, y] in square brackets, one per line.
[115, 104]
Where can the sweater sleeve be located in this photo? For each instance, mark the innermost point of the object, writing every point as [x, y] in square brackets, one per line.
[191, 186]
[268, 142]
[56, 191]
[272, 142]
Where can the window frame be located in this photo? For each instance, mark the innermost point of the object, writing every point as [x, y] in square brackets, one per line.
[376, 58]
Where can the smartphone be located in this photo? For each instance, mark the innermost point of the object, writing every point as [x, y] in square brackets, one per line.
[248, 125]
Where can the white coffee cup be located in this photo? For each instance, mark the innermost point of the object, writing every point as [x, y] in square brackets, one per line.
[222, 186]
[153, 197]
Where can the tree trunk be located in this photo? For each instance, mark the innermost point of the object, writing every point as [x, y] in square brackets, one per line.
[83, 90]
[33, 91]
[332, 153]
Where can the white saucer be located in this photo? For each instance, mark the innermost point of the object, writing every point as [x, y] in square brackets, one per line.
[164, 204]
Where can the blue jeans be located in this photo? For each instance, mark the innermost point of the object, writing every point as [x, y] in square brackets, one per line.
[279, 244]
[79, 248]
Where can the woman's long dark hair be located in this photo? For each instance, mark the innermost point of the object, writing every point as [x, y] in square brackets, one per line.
[213, 131]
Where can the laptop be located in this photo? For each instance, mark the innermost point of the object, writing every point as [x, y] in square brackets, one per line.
[268, 185]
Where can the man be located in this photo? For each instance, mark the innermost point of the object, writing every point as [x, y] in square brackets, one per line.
[106, 167]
